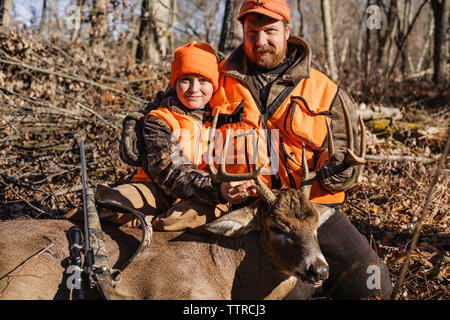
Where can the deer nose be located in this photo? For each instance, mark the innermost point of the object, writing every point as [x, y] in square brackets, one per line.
[318, 273]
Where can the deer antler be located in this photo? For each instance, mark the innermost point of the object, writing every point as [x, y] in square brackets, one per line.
[221, 175]
[351, 159]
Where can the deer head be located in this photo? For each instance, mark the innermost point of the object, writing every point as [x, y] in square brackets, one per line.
[286, 220]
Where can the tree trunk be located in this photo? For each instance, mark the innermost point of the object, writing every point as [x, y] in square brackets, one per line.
[50, 18]
[173, 18]
[43, 19]
[59, 22]
[153, 41]
[5, 12]
[99, 21]
[426, 46]
[441, 15]
[405, 27]
[387, 34]
[231, 34]
[329, 40]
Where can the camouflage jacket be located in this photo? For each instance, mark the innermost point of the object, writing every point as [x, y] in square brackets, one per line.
[164, 162]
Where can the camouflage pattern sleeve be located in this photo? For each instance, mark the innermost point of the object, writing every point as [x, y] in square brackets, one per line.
[131, 144]
[340, 139]
[166, 165]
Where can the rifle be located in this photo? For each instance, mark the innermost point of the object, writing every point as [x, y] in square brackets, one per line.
[87, 250]
[96, 266]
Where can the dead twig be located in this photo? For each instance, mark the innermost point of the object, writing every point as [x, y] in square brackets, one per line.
[98, 116]
[135, 100]
[420, 221]
[20, 265]
[27, 202]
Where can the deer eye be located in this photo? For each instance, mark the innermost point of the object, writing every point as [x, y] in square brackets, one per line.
[276, 230]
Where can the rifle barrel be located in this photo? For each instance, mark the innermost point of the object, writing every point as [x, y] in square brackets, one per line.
[87, 246]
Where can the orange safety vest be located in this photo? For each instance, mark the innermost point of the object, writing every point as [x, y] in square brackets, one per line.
[192, 135]
[296, 117]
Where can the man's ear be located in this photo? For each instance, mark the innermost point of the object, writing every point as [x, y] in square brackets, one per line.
[287, 31]
[236, 223]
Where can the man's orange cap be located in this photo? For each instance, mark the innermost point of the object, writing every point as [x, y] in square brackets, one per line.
[276, 9]
[198, 58]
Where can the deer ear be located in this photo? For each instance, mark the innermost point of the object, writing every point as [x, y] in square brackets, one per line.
[234, 224]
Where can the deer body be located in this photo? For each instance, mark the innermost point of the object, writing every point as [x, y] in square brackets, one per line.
[175, 266]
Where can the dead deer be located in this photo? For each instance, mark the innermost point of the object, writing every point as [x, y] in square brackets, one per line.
[220, 260]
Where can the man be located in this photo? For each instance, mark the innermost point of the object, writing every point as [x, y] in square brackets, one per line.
[268, 92]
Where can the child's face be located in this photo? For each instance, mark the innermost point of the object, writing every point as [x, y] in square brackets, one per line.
[193, 90]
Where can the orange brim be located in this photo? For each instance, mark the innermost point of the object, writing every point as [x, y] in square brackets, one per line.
[262, 11]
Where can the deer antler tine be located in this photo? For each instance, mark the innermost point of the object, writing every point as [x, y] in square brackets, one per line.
[305, 167]
[209, 153]
[224, 152]
[353, 160]
[362, 147]
[307, 177]
[263, 190]
[330, 140]
[348, 127]
[221, 175]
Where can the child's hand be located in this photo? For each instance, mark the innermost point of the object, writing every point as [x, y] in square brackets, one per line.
[237, 191]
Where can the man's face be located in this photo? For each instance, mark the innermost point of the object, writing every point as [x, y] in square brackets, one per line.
[265, 40]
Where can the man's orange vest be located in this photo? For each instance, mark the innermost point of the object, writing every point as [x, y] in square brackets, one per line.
[192, 135]
[296, 117]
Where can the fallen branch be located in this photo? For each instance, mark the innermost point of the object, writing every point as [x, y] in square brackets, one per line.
[23, 199]
[378, 112]
[434, 158]
[63, 191]
[98, 116]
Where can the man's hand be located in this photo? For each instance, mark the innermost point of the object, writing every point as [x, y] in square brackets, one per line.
[330, 165]
[237, 192]
[128, 148]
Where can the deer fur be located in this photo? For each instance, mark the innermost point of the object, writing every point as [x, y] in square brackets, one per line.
[252, 253]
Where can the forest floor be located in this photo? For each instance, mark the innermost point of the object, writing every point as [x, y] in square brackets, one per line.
[52, 92]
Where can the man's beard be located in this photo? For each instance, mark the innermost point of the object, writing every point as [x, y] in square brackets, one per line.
[271, 58]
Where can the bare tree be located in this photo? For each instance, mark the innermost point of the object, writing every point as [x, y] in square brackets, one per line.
[441, 15]
[406, 24]
[5, 12]
[426, 46]
[76, 31]
[43, 19]
[231, 35]
[50, 18]
[329, 39]
[300, 28]
[153, 38]
[98, 21]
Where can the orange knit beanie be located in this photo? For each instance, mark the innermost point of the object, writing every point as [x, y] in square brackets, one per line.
[198, 58]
